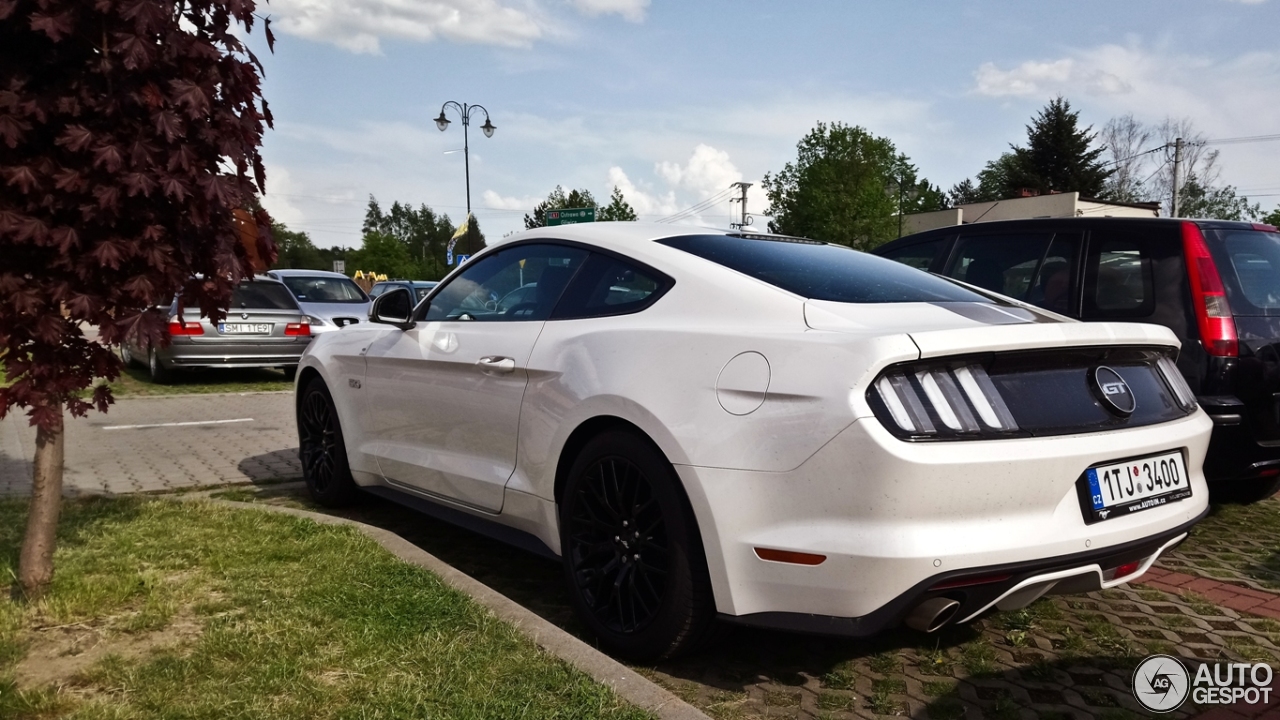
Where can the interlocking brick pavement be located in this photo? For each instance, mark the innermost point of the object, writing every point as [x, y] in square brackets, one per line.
[110, 454]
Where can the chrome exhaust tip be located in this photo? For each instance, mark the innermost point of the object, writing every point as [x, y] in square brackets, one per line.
[932, 614]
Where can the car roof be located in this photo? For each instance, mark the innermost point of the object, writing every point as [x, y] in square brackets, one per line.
[299, 272]
[1083, 223]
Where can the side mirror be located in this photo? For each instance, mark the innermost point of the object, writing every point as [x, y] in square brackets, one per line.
[394, 307]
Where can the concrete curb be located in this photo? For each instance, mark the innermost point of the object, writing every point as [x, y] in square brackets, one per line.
[631, 686]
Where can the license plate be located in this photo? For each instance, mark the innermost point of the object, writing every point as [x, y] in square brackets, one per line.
[244, 328]
[1134, 485]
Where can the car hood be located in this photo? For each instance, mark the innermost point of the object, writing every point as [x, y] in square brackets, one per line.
[328, 311]
[940, 329]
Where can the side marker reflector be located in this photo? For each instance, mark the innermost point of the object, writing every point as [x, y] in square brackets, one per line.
[789, 556]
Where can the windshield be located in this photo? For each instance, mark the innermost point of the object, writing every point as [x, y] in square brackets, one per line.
[259, 296]
[320, 289]
[1249, 263]
[823, 272]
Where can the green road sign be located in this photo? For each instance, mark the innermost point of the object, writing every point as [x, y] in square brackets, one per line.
[571, 216]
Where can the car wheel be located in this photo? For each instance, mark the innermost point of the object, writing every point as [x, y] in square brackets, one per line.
[322, 450]
[631, 551]
[126, 356]
[1244, 492]
[156, 369]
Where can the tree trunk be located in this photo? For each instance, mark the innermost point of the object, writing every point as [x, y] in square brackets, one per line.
[35, 564]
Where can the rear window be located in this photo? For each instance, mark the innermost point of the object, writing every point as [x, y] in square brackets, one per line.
[322, 289]
[262, 295]
[1249, 263]
[823, 272]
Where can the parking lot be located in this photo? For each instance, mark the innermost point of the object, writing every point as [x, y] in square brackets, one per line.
[1062, 657]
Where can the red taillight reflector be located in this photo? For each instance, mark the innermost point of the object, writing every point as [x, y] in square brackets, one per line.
[789, 556]
[1208, 297]
[188, 328]
[1128, 569]
[1269, 472]
[967, 581]
[297, 329]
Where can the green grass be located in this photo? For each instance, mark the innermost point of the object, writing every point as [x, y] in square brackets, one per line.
[195, 610]
[134, 382]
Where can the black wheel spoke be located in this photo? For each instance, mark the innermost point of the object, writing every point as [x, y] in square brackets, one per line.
[616, 542]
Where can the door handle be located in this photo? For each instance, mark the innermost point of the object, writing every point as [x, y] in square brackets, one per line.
[496, 364]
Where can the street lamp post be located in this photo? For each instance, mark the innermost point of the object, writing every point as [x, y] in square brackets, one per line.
[442, 122]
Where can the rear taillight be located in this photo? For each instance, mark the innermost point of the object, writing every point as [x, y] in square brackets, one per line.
[961, 397]
[1177, 383]
[301, 329]
[179, 329]
[1209, 298]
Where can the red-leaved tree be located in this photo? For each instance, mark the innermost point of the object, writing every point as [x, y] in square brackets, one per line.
[129, 134]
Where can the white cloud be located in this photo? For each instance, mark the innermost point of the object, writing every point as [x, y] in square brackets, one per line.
[632, 10]
[495, 201]
[708, 171]
[359, 25]
[648, 205]
[1042, 78]
[276, 200]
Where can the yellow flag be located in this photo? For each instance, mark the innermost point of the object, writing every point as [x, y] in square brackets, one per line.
[462, 229]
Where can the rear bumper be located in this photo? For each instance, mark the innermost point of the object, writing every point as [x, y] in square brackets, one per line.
[1234, 453]
[233, 355]
[894, 518]
[1019, 585]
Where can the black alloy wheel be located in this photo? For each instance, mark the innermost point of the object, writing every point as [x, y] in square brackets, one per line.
[321, 448]
[632, 554]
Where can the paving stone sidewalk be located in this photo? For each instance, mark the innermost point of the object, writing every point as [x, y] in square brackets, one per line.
[164, 443]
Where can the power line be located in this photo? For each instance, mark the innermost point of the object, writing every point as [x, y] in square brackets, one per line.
[1248, 139]
[705, 204]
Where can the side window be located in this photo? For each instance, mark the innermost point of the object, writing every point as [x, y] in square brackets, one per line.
[518, 283]
[609, 286]
[1053, 286]
[1006, 264]
[919, 256]
[1118, 278]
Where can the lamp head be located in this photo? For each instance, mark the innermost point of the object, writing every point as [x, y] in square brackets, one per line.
[442, 122]
[488, 128]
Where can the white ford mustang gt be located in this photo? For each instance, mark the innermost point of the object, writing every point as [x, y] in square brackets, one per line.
[710, 426]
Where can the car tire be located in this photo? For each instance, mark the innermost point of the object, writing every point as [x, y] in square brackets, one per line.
[322, 450]
[156, 370]
[637, 575]
[127, 356]
[1244, 492]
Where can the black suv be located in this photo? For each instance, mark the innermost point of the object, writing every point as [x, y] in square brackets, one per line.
[1215, 284]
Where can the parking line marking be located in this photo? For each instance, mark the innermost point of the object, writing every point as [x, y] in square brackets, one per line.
[176, 424]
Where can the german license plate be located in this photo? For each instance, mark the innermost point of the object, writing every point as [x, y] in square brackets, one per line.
[1134, 485]
[227, 328]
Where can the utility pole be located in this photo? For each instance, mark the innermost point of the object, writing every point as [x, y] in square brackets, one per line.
[1175, 205]
[742, 186]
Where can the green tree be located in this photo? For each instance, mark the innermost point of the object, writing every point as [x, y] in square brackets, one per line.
[424, 234]
[993, 183]
[558, 200]
[618, 208]
[295, 250]
[1059, 156]
[844, 188]
[1272, 218]
[1220, 203]
[383, 253]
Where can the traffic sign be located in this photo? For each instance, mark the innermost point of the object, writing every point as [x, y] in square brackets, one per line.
[463, 258]
[340, 266]
[571, 216]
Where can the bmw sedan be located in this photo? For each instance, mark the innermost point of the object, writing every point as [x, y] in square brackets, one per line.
[714, 427]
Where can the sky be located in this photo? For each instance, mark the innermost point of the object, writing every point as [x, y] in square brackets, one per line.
[671, 102]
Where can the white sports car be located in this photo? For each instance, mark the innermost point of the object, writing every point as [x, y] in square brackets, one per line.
[710, 426]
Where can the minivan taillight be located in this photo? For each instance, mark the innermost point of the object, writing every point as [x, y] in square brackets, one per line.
[178, 329]
[1213, 313]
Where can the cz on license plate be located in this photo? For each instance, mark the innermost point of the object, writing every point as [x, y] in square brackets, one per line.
[244, 328]
[1134, 485]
